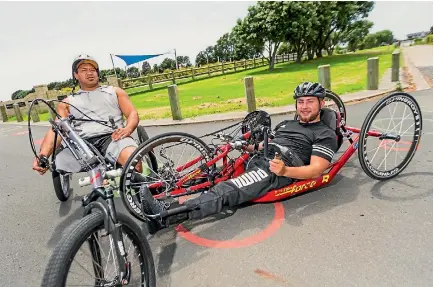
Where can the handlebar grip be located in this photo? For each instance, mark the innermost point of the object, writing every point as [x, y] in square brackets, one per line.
[43, 162]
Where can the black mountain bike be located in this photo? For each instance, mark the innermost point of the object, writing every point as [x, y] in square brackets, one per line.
[114, 249]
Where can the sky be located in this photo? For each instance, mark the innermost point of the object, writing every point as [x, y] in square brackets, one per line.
[39, 40]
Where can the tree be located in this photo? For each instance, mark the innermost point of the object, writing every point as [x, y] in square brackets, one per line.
[285, 48]
[133, 72]
[146, 68]
[264, 26]
[356, 32]
[242, 48]
[384, 36]
[168, 64]
[336, 18]
[183, 61]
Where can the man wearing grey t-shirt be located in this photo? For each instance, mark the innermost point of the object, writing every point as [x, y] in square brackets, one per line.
[99, 103]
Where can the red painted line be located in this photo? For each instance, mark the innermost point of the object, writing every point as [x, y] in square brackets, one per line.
[387, 144]
[275, 224]
[20, 133]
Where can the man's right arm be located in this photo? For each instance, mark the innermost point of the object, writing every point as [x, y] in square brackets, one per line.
[47, 146]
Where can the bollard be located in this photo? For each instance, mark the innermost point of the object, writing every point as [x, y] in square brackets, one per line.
[34, 115]
[3, 113]
[373, 73]
[18, 114]
[249, 91]
[395, 66]
[174, 102]
[324, 76]
[150, 82]
[52, 114]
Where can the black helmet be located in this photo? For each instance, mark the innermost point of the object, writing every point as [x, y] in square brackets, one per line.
[309, 89]
[81, 59]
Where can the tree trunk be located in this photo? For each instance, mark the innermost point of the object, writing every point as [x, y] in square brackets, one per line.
[319, 53]
[330, 52]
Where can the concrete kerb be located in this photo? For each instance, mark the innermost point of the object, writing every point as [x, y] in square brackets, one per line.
[418, 78]
[236, 116]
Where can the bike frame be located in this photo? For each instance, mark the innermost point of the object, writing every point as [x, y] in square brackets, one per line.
[96, 170]
[232, 170]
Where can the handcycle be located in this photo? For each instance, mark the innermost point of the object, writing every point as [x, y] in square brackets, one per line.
[174, 179]
[62, 179]
[100, 227]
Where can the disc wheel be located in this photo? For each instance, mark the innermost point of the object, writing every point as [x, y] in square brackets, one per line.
[390, 136]
[176, 155]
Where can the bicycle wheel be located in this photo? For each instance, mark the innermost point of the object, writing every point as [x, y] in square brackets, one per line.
[398, 119]
[63, 268]
[62, 185]
[333, 101]
[176, 154]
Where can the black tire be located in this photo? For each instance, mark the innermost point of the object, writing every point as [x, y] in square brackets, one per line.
[62, 185]
[338, 102]
[367, 167]
[132, 202]
[56, 271]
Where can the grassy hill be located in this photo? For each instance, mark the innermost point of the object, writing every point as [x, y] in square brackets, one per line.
[226, 92]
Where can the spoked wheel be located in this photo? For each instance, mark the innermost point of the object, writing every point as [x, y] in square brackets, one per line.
[176, 155]
[390, 136]
[85, 256]
[62, 185]
[334, 102]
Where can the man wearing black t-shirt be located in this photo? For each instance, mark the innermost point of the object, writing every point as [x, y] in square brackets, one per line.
[306, 146]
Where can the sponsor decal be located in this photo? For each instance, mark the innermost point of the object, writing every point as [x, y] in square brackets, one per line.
[296, 188]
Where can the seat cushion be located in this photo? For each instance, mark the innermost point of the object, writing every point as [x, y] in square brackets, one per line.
[331, 118]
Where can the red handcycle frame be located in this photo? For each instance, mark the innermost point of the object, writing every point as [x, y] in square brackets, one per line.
[236, 168]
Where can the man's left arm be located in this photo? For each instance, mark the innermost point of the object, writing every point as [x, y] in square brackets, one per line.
[130, 114]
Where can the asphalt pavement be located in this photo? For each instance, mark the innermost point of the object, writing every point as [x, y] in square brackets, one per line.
[355, 232]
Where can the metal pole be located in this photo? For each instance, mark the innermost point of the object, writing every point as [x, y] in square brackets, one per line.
[113, 65]
[176, 60]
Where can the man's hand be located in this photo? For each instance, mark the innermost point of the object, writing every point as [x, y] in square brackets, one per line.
[277, 166]
[121, 133]
[38, 168]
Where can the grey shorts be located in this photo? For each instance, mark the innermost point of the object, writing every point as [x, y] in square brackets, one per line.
[66, 162]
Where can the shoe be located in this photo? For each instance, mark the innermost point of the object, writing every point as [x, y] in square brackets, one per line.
[156, 206]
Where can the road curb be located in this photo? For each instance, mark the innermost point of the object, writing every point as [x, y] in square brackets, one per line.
[191, 121]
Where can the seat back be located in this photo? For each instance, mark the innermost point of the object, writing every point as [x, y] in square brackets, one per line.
[332, 119]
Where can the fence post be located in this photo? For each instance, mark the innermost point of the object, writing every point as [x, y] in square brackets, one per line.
[324, 76]
[245, 64]
[18, 114]
[373, 73]
[150, 81]
[235, 66]
[254, 62]
[174, 102]
[263, 61]
[192, 73]
[3, 113]
[223, 68]
[34, 114]
[249, 91]
[209, 71]
[53, 105]
[395, 66]
[173, 77]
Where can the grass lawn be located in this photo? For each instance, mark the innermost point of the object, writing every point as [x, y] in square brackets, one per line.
[226, 92]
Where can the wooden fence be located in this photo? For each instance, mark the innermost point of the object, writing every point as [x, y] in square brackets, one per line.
[212, 69]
